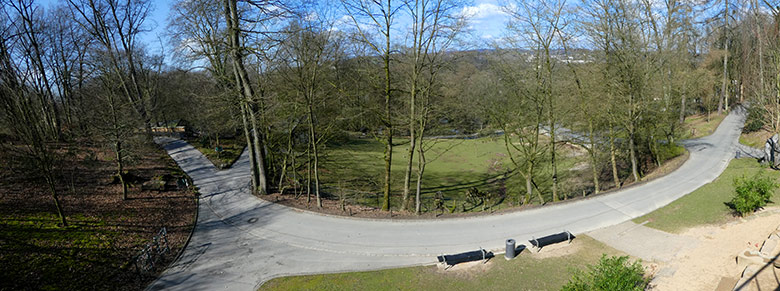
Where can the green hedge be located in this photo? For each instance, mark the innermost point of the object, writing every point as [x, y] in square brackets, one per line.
[611, 273]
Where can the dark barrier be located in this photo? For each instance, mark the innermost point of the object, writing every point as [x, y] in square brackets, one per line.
[465, 257]
[551, 239]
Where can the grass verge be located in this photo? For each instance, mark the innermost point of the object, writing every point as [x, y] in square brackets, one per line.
[706, 205]
[529, 271]
[698, 126]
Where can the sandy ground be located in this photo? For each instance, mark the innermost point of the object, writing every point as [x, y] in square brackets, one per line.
[468, 269]
[714, 258]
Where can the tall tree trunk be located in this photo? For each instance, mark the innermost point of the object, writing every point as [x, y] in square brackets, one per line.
[653, 148]
[55, 197]
[308, 174]
[593, 162]
[632, 156]
[120, 167]
[759, 36]
[528, 189]
[388, 135]
[388, 163]
[724, 85]
[551, 118]
[290, 153]
[552, 153]
[777, 100]
[613, 160]
[420, 170]
[313, 141]
[529, 183]
[245, 87]
[682, 108]
[388, 121]
[412, 143]
[262, 183]
[250, 148]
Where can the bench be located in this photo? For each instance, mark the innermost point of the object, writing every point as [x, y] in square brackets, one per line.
[451, 260]
[541, 242]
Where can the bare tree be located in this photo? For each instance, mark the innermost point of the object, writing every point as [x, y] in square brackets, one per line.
[434, 26]
[310, 50]
[237, 51]
[115, 124]
[68, 50]
[30, 29]
[374, 21]
[618, 28]
[23, 109]
[521, 114]
[588, 107]
[115, 25]
[539, 21]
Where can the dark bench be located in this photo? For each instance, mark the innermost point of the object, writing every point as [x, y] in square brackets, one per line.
[551, 239]
[471, 256]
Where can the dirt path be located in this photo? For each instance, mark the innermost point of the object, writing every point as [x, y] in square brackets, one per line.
[700, 257]
[713, 259]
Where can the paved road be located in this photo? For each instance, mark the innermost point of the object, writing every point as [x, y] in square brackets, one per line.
[241, 241]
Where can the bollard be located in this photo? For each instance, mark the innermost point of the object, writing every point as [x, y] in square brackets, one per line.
[510, 249]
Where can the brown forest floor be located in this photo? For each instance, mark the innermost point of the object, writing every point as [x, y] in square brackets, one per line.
[104, 233]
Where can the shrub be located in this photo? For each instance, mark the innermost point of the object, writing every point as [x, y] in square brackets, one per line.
[754, 122]
[752, 193]
[668, 151]
[611, 273]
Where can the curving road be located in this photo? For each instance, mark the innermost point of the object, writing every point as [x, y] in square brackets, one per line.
[241, 241]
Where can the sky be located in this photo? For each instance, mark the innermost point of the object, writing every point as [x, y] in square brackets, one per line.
[487, 23]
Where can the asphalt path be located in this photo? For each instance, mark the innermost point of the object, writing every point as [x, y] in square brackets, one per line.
[241, 241]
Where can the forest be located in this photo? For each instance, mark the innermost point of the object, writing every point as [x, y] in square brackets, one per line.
[385, 104]
[378, 103]
[350, 107]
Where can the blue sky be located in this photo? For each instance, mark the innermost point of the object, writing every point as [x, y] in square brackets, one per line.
[487, 19]
[487, 22]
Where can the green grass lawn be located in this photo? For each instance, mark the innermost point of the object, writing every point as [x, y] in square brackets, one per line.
[454, 167]
[697, 125]
[527, 272]
[706, 204]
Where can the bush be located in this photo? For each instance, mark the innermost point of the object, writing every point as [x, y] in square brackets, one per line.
[752, 193]
[611, 273]
[753, 122]
[668, 151]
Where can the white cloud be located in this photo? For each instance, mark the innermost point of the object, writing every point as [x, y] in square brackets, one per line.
[313, 16]
[482, 10]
